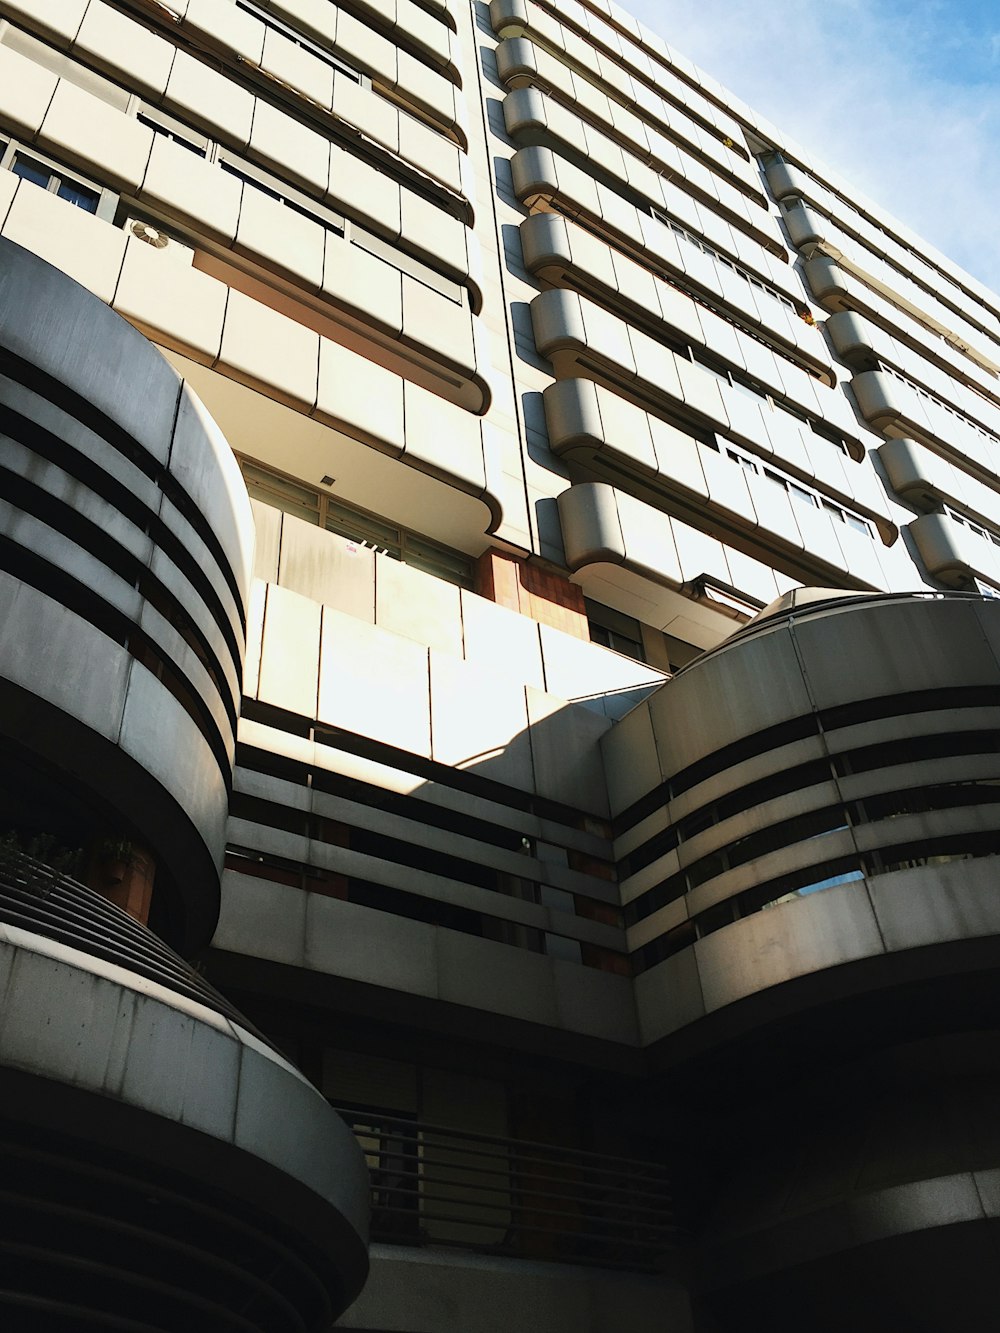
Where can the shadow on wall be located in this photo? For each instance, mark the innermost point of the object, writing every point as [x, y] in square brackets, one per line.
[362, 642]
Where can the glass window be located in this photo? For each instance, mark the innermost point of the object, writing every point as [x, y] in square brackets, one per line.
[802, 496]
[281, 493]
[363, 528]
[52, 180]
[356, 525]
[173, 130]
[79, 195]
[454, 566]
[30, 170]
[613, 629]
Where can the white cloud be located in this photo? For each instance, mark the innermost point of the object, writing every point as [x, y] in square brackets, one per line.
[896, 96]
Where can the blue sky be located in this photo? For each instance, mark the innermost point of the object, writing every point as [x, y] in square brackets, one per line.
[901, 96]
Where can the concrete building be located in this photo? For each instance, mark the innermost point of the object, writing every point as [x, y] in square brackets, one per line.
[566, 733]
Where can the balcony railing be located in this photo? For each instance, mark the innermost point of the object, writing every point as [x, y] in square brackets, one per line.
[49, 903]
[437, 1186]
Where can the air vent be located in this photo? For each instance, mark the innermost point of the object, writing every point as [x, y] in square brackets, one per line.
[142, 231]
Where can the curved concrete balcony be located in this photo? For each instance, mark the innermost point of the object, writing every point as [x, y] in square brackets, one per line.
[566, 255]
[684, 579]
[533, 118]
[578, 335]
[943, 349]
[886, 403]
[864, 345]
[859, 343]
[926, 480]
[829, 283]
[594, 533]
[545, 181]
[828, 779]
[509, 18]
[917, 474]
[124, 581]
[671, 145]
[954, 552]
[786, 181]
[616, 437]
[860, 281]
[518, 61]
[806, 229]
[897, 408]
[159, 1155]
[652, 129]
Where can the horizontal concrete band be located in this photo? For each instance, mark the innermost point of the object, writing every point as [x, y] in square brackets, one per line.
[157, 1086]
[646, 127]
[566, 254]
[830, 759]
[125, 580]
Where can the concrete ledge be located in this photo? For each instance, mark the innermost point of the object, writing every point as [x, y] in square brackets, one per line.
[439, 1291]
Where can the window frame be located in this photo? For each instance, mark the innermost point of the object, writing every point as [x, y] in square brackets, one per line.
[611, 626]
[336, 62]
[402, 541]
[799, 491]
[107, 200]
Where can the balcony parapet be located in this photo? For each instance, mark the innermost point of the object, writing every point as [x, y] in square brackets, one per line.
[224, 1176]
[433, 1185]
[954, 552]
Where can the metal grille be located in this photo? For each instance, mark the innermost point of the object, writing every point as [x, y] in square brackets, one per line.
[437, 1186]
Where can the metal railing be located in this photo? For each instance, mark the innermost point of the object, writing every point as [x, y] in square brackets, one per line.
[50, 903]
[438, 1186]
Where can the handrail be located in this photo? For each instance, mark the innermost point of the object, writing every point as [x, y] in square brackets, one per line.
[46, 902]
[448, 1187]
[423, 1127]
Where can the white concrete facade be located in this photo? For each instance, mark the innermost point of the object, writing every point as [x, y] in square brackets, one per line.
[548, 365]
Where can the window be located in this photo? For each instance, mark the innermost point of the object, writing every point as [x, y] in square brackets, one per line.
[175, 130]
[980, 530]
[299, 39]
[699, 243]
[802, 495]
[54, 178]
[357, 525]
[614, 630]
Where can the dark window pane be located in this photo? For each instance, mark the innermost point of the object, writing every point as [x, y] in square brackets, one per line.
[79, 195]
[29, 170]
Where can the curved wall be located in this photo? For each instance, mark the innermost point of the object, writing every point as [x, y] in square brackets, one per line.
[808, 827]
[821, 790]
[163, 1165]
[124, 575]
